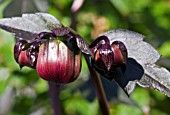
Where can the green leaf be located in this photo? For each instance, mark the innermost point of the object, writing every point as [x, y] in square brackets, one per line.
[3, 86]
[141, 97]
[77, 105]
[157, 112]
[122, 109]
[165, 49]
[3, 79]
[6, 49]
[41, 86]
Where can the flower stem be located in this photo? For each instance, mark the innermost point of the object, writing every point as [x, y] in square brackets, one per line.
[99, 89]
[54, 96]
[77, 4]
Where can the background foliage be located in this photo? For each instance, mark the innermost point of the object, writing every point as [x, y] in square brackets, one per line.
[23, 92]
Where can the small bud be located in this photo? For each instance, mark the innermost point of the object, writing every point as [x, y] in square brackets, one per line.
[107, 57]
[19, 46]
[20, 53]
[104, 57]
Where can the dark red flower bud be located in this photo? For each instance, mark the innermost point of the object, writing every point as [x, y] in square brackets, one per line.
[19, 46]
[20, 53]
[58, 61]
[120, 52]
[107, 57]
[104, 57]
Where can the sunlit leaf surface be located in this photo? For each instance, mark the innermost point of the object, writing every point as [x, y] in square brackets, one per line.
[29, 24]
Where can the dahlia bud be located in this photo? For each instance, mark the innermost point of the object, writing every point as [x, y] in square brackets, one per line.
[107, 57]
[104, 57]
[20, 53]
[55, 55]
[58, 61]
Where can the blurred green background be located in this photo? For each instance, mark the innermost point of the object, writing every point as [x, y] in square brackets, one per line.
[22, 92]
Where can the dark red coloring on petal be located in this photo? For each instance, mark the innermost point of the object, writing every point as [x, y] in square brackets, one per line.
[120, 52]
[23, 60]
[19, 46]
[107, 57]
[56, 62]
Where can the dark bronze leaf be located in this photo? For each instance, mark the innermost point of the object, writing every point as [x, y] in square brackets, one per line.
[141, 68]
[30, 24]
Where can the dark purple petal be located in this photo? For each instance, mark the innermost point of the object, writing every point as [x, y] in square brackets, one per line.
[81, 43]
[32, 52]
[120, 55]
[120, 52]
[61, 31]
[100, 40]
[83, 46]
[43, 35]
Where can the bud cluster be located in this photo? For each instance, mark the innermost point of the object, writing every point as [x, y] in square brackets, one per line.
[108, 56]
[54, 55]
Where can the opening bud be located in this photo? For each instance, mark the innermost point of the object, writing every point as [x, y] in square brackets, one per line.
[107, 57]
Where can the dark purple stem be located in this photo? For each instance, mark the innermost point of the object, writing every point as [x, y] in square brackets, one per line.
[99, 89]
[73, 20]
[95, 78]
[77, 4]
[54, 96]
